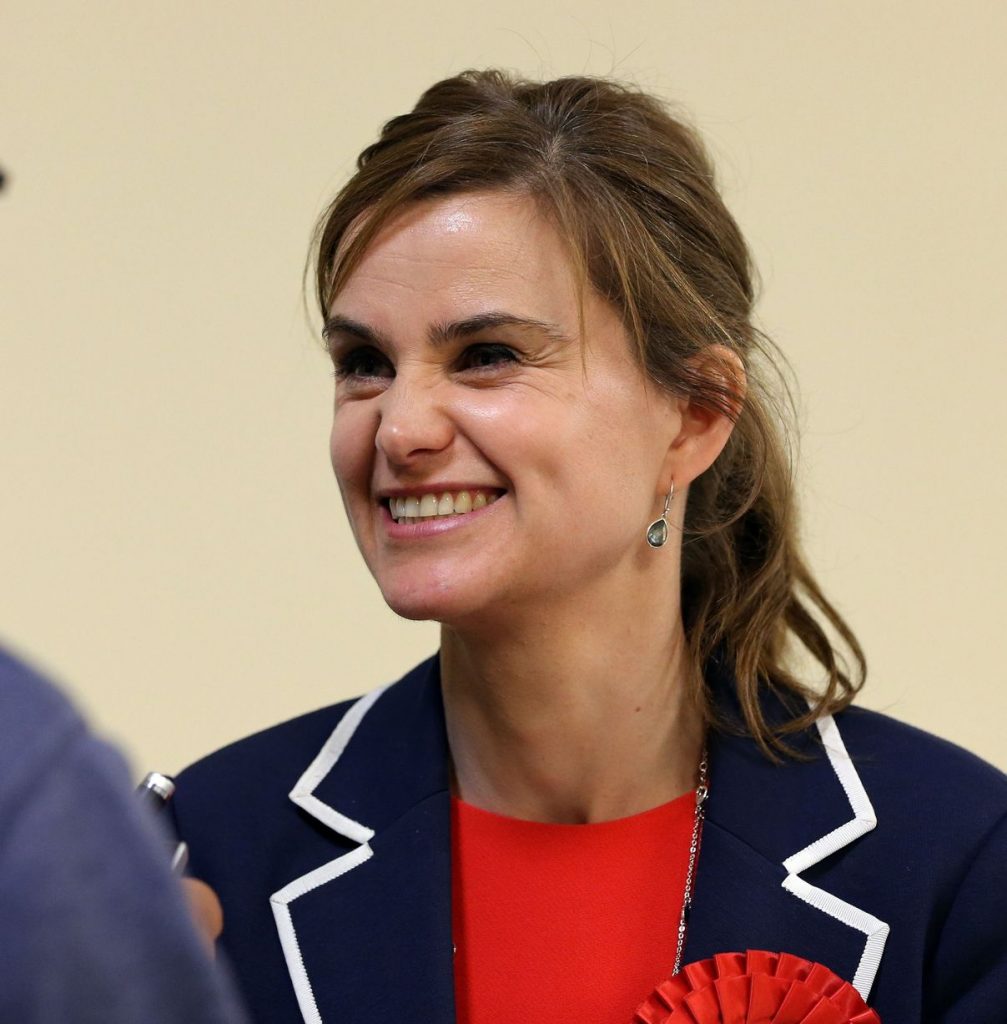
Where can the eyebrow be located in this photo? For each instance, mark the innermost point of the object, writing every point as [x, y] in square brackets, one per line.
[444, 333]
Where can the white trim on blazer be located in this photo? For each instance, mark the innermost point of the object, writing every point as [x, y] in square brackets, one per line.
[303, 795]
[864, 820]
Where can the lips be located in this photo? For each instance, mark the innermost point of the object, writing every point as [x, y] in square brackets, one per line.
[439, 503]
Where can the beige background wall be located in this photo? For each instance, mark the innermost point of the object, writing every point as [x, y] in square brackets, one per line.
[172, 543]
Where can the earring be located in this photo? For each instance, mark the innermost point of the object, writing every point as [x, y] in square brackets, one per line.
[657, 532]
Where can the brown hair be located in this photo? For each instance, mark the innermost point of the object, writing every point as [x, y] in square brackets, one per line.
[632, 190]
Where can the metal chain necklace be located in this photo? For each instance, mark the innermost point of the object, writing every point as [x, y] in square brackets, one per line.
[702, 791]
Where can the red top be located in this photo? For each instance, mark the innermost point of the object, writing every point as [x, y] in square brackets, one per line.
[556, 923]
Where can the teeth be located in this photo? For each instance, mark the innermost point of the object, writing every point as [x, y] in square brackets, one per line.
[424, 507]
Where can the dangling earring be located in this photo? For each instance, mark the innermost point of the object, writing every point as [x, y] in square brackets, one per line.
[657, 532]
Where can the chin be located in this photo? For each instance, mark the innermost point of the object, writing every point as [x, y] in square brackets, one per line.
[430, 602]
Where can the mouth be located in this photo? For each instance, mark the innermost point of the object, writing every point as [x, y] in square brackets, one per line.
[424, 507]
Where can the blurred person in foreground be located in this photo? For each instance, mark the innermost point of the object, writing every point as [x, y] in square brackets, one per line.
[558, 433]
[94, 929]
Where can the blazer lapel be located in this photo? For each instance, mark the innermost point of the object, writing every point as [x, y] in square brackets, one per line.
[768, 828]
[367, 935]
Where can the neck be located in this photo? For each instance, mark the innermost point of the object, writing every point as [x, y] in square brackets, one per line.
[556, 722]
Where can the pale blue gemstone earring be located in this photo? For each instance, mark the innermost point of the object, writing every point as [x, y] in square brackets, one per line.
[657, 532]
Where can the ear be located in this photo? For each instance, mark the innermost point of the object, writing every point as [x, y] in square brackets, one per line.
[703, 431]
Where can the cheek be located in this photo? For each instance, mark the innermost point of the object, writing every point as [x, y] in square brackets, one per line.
[577, 444]
[351, 450]
[613, 456]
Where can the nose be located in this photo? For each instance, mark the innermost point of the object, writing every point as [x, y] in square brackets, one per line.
[414, 422]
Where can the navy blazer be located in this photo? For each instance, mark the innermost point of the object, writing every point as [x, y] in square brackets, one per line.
[883, 855]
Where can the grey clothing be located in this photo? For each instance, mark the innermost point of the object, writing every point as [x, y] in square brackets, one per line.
[93, 928]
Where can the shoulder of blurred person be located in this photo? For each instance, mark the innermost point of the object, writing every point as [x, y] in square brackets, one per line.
[94, 927]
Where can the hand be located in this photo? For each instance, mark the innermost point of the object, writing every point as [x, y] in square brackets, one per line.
[206, 911]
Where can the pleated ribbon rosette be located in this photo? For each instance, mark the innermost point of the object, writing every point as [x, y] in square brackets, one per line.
[755, 988]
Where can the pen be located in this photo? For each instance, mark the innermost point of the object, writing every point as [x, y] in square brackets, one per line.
[155, 791]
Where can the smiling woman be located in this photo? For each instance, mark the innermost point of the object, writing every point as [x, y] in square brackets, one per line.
[464, 375]
[555, 434]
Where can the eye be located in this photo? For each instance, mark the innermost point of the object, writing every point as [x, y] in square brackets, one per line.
[364, 363]
[486, 356]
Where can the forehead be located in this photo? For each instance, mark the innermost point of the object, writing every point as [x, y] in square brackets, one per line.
[466, 252]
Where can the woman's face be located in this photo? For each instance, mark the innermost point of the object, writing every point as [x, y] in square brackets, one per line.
[492, 458]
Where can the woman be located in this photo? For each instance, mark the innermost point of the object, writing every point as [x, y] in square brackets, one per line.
[554, 435]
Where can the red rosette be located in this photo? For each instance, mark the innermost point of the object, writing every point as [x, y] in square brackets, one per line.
[755, 988]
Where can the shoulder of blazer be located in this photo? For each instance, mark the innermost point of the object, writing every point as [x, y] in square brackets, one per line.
[921, 787]
[393, 749]
[258, 767]
[875, 826]
[935, 867]
[916, 776]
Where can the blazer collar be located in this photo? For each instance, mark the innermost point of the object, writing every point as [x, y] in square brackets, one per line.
[387, 754]
[766, 826]
[381, 782]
